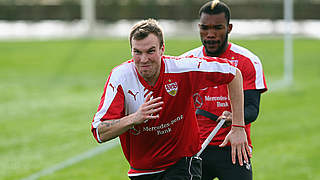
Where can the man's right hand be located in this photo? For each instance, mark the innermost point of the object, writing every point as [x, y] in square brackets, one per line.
[227, 115]
[112, 128]
[148, 110]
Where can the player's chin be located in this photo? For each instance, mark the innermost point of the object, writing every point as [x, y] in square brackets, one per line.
[212, 47]
[146, 74]
[212, 50]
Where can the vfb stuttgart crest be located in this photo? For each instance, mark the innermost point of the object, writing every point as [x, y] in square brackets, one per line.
[235, 62]
[172, 88]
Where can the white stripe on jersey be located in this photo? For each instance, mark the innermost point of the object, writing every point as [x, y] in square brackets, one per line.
[148, 173]
[197, 52]
[255, 61]
[111, 92]
[147, 92]
[259, 81]
[188, 64]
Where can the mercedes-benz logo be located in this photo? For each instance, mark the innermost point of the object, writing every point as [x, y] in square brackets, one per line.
[197, 100]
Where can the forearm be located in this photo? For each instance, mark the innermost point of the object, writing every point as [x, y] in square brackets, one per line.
[236, 97]
[149, 110]
[237, 136]
[250, 114]
[251, 105]
[110, 129]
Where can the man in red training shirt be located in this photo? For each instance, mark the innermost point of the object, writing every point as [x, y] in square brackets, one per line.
[147, 102]
[212, 103]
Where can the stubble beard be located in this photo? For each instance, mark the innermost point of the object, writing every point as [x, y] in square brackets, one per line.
[220, 49]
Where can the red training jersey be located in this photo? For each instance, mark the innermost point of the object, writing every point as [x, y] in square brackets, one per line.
[216, 100]
[155, 145]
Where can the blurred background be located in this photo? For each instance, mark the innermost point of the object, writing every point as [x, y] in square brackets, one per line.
[55, 56]
[78, 18]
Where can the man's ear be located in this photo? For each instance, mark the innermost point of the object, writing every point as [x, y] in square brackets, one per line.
[229, 28]
[162, 49]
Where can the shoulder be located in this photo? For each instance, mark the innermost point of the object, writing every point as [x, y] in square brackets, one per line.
[192, 64]
[244, 53]
[178, 64]
[191, 60]
[122, 71]
[194, 52]
[180, 61]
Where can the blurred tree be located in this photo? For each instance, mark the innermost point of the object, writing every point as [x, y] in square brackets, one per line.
[113, 10]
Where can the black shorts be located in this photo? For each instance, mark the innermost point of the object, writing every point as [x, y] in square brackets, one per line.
[216, 162]
[187, 168]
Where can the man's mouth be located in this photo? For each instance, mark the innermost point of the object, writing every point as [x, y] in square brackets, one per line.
[145, 67]
[211, 42]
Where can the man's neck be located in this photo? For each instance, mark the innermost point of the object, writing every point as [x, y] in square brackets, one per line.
[153, 80]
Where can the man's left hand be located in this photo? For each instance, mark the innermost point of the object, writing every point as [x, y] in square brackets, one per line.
[239, 145]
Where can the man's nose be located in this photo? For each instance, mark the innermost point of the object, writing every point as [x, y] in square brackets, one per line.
[144, 57]
[212, 33]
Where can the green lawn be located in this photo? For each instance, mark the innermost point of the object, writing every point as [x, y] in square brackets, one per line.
[50, 90]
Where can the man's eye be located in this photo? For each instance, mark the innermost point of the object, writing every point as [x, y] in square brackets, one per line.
[137, 52]
[218, 27]
[204, 27]
[151, 51]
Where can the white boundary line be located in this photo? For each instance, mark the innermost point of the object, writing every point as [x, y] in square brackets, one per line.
[73, 160]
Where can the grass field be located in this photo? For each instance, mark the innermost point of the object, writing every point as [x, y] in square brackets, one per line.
[50, 90]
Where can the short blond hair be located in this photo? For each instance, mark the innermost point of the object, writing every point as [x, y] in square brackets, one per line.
[216, 7]
[145, 27]
[214, 3]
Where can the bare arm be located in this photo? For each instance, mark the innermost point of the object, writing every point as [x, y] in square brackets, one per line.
[235, 89]
[110, 129]
[237, 136]
[149, 110]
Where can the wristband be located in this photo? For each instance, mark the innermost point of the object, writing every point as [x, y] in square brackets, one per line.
[234, 125]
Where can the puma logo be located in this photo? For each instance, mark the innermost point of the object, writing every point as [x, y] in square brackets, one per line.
[111, 86]
[134, 95]
[199, 64]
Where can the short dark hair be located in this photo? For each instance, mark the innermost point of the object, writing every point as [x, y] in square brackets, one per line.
[216, 7]
[145, 27]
